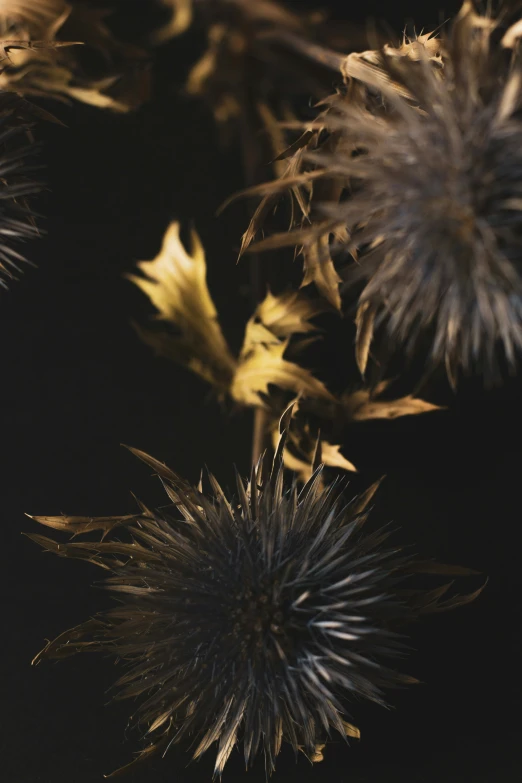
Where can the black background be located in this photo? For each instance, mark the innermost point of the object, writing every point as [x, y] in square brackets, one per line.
[77, 383]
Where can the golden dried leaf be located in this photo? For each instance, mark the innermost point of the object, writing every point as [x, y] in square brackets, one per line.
[331, 456]
[302, 453]
[204, 67]
[59, 81]
[27, 39]
[288, 313]
[318, 755]
[19, 58]
[512, 35]
[176, 284]
[180, 20]
[125, 63]
[362, 405]
[36, 17]
[351, 730]
[94, 95]
[364, 321]
[38, 62]
[261, 364]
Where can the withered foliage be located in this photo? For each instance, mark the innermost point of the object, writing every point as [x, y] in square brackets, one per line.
[39, 58]
[175, 282]
[40, 50]
[181, 15]
[254, 620]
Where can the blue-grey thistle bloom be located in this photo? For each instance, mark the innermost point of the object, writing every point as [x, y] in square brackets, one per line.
[251, 620]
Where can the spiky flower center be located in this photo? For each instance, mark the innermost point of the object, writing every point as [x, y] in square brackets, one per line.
[257, 615]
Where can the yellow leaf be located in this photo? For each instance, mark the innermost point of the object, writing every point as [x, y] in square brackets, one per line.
[180, 20]
[37, 63]
[512, 35]
[351, 730]
[175, 282]
[288, 313]
[176, 285]
[331, 456]
[57, 81]
[299, 451]
[261, 363]
[318, 754]
[361, 405]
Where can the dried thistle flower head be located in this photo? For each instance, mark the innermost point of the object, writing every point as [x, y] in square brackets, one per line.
[251, 620]
[436, 209]
[17, 223]
[415, 170]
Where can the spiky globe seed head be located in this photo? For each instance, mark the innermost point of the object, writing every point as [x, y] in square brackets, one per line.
[435, 213]
[254, 619]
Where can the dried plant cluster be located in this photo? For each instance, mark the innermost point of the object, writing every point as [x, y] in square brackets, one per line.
[255, 619]
[266, 374]
[260, 618]
[39, 59]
